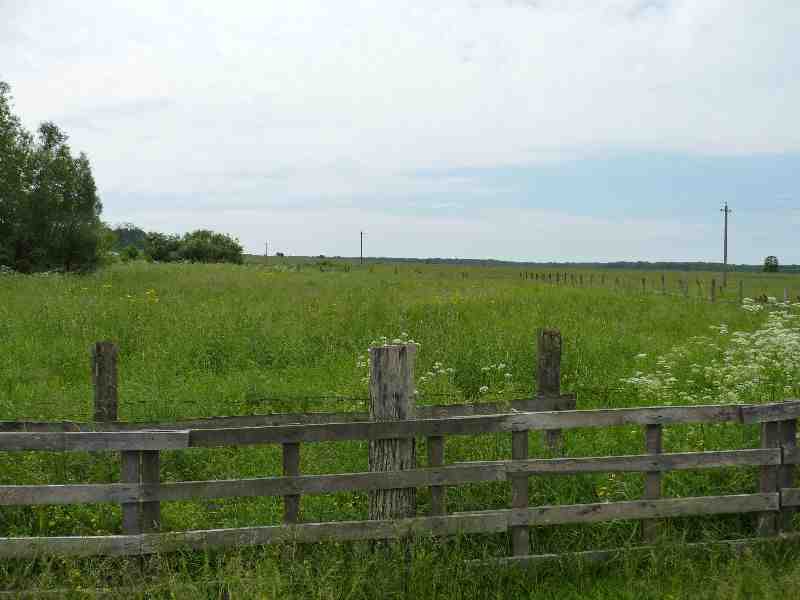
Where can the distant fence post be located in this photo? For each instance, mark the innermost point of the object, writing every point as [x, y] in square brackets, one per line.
[391, 398]
[548, 376]
[104, 380]
[713, 290]
[663, 285]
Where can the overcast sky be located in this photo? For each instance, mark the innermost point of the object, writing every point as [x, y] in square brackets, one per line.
[513, 129]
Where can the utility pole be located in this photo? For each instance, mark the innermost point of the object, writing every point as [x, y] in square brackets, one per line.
[362, 247]
[726, 211]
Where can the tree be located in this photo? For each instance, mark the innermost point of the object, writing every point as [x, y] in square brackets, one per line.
[162, 247]
[129, 234]
[49, 208]
[202, 245]
[771, 264]
[210, 247]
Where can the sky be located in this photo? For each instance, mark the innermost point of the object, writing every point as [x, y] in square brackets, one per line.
[547, 130]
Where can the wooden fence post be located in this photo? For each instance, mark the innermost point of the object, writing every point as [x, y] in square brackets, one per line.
[106, 402]
[150, 476]
[548, 376]
[713, 290]
[391, 398]
[291, 468]
[663, 285]
[652, 480]
[768, 477]
[520, 534]
[104, 380]
[786, 477]
[436, 459]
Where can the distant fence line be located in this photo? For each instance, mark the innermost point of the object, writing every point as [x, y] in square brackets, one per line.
[708, 290]
[391, 427]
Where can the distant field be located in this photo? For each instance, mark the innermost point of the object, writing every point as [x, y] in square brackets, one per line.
[222, 340]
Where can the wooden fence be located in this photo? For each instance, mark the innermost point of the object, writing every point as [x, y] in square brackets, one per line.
[141, 491]
[710, 290]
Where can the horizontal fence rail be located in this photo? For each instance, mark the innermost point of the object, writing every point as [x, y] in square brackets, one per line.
[377, 430]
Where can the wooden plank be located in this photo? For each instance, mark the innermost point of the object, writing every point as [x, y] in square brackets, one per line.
[749, 414]
[33, 495]
[779, 411]
[643, 463]
[95, 441]
[131, 473]
[520, 535]
[663, 415]
[148, 543]
[454, 524]
[291, 468]
[767, 522]
[456, 474]
[645, 509]
[350, 431]
[652, 481]
[464, 425]
[436, 459]
[106, 545]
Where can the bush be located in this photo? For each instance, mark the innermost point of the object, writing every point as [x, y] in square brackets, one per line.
[199, 246]
[129, 253]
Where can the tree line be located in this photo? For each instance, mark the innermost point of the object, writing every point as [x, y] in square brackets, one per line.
[50, 209]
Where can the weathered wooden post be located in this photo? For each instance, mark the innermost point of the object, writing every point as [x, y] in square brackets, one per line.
[768, 477]
[786, 477]
[104, 380]
[652, 481]
[713, 290]
[391, 398]
[106, 401]
[548, 376]
[663, 285]
[291, 468]
[644, 285]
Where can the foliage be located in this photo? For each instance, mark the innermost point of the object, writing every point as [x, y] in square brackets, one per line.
[209, 247]
[129, 253]
[128, 234]
[202, 246]
[49, 209]
[771, 264]
[162, 247]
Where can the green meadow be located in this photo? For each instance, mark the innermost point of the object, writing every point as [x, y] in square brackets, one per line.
[211, 340]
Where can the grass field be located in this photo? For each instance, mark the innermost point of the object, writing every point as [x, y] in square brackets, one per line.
[223, 340]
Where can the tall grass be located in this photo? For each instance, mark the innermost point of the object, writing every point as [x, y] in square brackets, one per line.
[221, 340]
